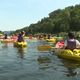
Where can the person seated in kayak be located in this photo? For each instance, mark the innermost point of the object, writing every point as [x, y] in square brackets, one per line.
[20, 38]
[49, 36]
[59, 44]
[71, 43]
[5, 36]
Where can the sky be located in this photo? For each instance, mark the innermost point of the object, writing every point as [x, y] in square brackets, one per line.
[17, 14]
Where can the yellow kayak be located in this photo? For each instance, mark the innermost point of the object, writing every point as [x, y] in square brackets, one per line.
[44, 47]
[7, 40]
[68, 54]
[20, 44]
[51, 40]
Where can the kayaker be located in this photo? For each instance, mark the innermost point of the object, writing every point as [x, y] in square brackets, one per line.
[71, 42]
[5, 36]
[20, 37]
[14, 37]
[59, 44]
[49, 36]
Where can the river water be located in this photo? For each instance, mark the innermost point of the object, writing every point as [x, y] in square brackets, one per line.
[31, 64]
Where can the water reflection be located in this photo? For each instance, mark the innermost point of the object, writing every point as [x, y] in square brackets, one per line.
[71, 67]
[5, 45]
[44, 62]
[21, 52]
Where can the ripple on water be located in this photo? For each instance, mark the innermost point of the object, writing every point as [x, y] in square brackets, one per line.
[31, 64]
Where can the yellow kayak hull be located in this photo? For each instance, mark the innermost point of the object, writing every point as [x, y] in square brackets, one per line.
[7, 40]
[20, 44]
[71, 55]
[51, 40]
[44, 47]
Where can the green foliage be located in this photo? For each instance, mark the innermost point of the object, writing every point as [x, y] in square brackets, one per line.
[64, 20]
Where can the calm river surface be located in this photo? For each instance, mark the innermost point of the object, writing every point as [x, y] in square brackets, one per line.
[31, 64]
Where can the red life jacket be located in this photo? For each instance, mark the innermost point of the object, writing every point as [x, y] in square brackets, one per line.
[59, 44]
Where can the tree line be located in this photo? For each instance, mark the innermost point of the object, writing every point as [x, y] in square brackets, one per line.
[60, 20]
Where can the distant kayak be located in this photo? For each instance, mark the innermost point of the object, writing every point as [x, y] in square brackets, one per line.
[7, 40]
[51, 40]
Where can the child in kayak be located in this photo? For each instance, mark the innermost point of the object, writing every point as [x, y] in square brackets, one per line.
[71, 42]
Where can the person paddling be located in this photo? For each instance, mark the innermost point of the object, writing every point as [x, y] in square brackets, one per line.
[71, 43]
[20, 37]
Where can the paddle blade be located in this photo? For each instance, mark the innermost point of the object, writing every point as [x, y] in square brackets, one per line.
[44, 48]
